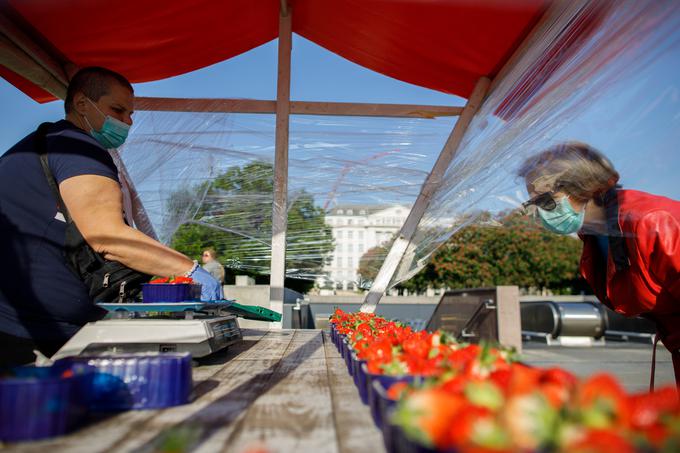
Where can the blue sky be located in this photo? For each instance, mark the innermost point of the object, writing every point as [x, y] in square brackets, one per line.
[317, 75]
[642, 120]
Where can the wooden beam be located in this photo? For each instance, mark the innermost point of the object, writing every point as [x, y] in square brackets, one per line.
[280, 206]
[296, 107]
[285, 9]
[16, 60]
[429, 187]
[204, 105]
[35, 58]
[383, 110]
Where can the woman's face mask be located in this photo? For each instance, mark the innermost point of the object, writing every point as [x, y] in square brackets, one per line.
[562, 219]
[113, 132]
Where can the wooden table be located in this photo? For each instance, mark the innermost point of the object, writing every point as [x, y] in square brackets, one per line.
[282, 391]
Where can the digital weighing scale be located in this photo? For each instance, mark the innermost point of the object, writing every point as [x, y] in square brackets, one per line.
[200, 328]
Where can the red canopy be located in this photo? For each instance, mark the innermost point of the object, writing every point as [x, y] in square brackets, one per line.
[445, 45]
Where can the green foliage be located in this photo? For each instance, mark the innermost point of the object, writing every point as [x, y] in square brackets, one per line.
[236, 219]
[518, 253]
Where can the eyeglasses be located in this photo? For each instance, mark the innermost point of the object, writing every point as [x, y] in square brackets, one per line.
[544, 201]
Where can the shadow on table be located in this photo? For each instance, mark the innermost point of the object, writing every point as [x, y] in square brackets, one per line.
[191, 433]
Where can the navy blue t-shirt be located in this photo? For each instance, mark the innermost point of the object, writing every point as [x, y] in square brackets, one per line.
[40, 296]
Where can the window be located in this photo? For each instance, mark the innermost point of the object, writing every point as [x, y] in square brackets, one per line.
[350, 212]
[360, 221]
[339, 248]
[360, 248]
[340, 234]
[350, 248]
[339, 211]
[350, 235]
[362, 212]
[349, 221]
[361, 234]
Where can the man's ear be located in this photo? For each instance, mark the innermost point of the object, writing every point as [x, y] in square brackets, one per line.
[80, 104]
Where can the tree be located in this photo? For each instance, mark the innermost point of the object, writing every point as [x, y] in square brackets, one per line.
[235, 217]
[518, 253]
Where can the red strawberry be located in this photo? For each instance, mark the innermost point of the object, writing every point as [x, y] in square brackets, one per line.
[427, 415]
[601, 441]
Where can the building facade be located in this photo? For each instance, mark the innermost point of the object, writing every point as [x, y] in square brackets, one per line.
[356, 229]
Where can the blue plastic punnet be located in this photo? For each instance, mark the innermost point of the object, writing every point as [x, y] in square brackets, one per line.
[136, 381]
[42, 402]
[170, 292]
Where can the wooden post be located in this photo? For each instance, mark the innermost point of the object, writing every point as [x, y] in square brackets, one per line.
[280, 205]
[430, 186]
[21, 53]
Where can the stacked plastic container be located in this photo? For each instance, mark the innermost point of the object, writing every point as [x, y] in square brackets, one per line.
[41, 402]
[373, 391]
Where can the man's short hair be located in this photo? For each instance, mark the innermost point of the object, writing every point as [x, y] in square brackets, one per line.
[94, 82]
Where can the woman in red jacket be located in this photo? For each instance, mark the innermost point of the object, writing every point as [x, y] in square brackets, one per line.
[631, 239]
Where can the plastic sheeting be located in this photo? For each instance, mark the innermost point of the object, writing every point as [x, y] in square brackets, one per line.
[206, 179]
[604, 73]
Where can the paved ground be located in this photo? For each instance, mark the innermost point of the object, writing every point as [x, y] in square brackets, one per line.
[630, 362]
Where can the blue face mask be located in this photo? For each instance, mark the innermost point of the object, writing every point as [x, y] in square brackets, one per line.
[113, 132]
[563, 219]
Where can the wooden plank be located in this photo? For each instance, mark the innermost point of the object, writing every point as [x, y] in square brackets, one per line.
[428, 189]
[132, 427]
[160, 104]
[381, 110]
[16, 60]
[296, 107]
[33, 60]
[277, 272]
[353, 423]
[285, 401]
[198, 426]
[296, 413]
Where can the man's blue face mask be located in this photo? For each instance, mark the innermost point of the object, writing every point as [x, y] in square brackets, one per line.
[113, 132]
[562, 219]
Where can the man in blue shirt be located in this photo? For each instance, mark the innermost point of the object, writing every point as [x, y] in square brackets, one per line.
[42, 302]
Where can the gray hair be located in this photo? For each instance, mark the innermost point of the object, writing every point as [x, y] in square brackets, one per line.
[572, 167]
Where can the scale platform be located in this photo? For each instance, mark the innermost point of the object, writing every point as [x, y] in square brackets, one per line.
[196, 327]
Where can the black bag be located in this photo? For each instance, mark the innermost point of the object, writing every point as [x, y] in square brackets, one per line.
[106, 281]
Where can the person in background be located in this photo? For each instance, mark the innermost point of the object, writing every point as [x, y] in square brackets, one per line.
[210, 264]
[631, 239]
[42, 302]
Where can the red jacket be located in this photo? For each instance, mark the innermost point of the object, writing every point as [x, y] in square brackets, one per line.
[643, 264]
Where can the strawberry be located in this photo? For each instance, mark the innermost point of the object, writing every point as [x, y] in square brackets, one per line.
[427, 416]
[601, 403]
[531, 421]
[601, 441]
[397, 390]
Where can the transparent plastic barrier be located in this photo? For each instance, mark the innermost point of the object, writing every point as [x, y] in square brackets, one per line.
[206, 180]
[604, 73]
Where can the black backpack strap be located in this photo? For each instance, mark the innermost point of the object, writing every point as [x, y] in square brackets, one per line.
[41, 147]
